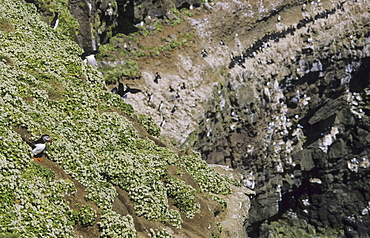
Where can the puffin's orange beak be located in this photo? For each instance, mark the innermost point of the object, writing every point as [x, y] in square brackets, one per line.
[51, 141]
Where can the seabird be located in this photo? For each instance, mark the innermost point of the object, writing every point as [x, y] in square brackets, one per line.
[150, 97]
[39, 146]
[54, 23]
[177, 95]
[162, 122]
[89, 57]
[340, 6]
[132, 90]
[171, 89]
[304, 7]
[124, 92]
[209, 133]
[174, 109]
[221, 42]
[232, 58]
[157, 76]
[109, 11]
[204, 53]
[121, 88]
[233, 114]
[160, 106]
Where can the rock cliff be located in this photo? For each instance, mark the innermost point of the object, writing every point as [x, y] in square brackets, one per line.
[293, 115]
[106, 174]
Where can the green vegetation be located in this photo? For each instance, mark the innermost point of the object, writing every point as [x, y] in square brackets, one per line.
[206, 177]
[123, 52]
[292, 226]
[149, 124]
[68, 25]
[9, 235]
[87, 215]
[180, 15]
[46, 88]
[183, 195]
[123, 49]
[113, 73]
[115, 225]
[220, 200]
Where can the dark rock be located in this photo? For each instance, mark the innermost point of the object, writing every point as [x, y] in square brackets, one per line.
[337, 149]
[304, 158]
[327, 110]
[310, 139]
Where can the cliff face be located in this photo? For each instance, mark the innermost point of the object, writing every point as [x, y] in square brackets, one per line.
[293, 116]
[99, 20]
[106, 174]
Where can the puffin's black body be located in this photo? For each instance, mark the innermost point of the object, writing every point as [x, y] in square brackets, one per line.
[157, 76]
[87, 53]
[123, 92]
[54, 23]
[39, 146]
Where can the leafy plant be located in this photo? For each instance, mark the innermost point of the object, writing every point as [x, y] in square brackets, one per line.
[46, 88]
[87, 215]
[114, 225]
[183, 195]
[151, 127]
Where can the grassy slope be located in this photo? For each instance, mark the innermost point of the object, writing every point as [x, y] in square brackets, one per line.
[46, 88]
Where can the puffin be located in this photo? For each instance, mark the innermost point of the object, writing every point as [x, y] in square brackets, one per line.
[204, 53]
[55, 21]
[124, 92]
[88, 56]
[39, 146]
[157, 76]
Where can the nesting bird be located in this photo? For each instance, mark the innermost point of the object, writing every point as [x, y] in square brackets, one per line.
[182, 85]
[157, 76]
[160, 106]
[174, 109]
[304, 7]
[109, 11]
[171, 89]
[204, 53]
[123, 92]
[162, 122]
[149, 96]
[39, 146]
[88, 57]
[54, 23]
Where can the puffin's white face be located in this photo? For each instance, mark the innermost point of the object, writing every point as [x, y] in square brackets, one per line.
[46, 138]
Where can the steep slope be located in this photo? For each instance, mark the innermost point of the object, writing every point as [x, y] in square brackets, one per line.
[104, 175]
[293, 115]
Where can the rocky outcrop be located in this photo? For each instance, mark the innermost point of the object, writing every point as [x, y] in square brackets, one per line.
[99, 20]
[293, 115]
[134, 11]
